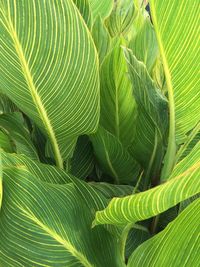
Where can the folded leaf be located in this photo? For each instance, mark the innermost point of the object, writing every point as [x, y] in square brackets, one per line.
[5, 142]
[50, 69]
[113, 158]
[14, 125]
[152, 121]
[177, 245]
[184, 184]
[118, 110]
[82, 162]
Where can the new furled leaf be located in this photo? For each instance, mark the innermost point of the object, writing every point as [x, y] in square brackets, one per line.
[118, 111]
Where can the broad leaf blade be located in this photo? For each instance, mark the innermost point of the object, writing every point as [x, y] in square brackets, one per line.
[176, 25]
[50, 69]
[183, 184]
[177, 245]
[52, 223]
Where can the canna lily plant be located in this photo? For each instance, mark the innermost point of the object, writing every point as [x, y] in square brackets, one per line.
[99, 133]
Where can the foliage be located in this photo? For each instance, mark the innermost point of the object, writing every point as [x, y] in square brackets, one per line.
[99, 133]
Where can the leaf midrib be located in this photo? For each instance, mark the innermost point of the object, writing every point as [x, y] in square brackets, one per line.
[33, 90]
[66, 244]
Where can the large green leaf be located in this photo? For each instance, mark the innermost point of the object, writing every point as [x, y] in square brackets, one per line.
[13, 124]
[117, 103]
[177, 245]
[176, 24]
[50, 68]
[113, 158]
[102, 8]
[183, 184]
[44, 224]
[152, 121]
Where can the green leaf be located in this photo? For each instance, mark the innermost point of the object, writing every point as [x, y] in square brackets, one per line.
[121, 17]
[113, 158]
[102, 8]
[101, 38]
[50, 69]
[117, 103]
[13, 124]
[177, 245]
[84, 9]
[152, 121]
[144, 45]
[183, 184]
[82, 162]
[6, 106]
[176, 26]
[43, 172]
[112, 190]
[53, 223]
[5, 142]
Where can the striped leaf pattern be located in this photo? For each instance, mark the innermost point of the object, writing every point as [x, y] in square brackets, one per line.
[177, 245]
[113, 158]
[43, 172]
[121, 17]
[152, 120]
[118, 110]
[102, 8]
[176, 25]
[5, 142]
[101, 38]
[49, 68]
[13, 124]
[82, 162]
[84, 9]
[45, 224]
[144, 45]
[6, 105]
[183, 184]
